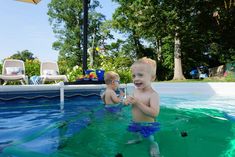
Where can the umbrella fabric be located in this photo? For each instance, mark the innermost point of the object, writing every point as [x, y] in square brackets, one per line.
[30, 1]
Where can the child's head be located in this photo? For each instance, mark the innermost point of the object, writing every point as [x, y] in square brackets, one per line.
[110, 77]
[143, 70]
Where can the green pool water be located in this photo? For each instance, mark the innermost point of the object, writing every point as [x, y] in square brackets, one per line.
[206, 134]
[185, 132]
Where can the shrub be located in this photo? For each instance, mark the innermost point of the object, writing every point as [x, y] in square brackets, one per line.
[32, 67]
[230, 77]
[120, 65]
[74, 73]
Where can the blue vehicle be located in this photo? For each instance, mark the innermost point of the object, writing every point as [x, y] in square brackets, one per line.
[194, 74]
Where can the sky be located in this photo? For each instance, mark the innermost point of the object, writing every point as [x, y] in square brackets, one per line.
[25, 26]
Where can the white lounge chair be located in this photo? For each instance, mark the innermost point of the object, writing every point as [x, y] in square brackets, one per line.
[13, 70]
[49, 71]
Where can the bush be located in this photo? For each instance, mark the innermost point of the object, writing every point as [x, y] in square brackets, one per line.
[64, 66]
[230, 77]
[125, 75]
[119, 65]
[74, 73]
[32, 67]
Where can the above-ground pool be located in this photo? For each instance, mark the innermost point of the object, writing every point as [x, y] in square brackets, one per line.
[192, 125]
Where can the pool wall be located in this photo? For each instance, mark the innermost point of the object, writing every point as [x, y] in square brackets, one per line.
[49, 91]
[11, 92]
[210, 88]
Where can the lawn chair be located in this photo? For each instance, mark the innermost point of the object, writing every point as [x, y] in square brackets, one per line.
[49, 71]
[13, 70]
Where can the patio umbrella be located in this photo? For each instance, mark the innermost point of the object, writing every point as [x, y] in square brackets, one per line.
[30, 1]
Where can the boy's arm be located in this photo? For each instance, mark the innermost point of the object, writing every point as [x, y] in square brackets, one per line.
[115, 98]
[155, 104]
[102, 96]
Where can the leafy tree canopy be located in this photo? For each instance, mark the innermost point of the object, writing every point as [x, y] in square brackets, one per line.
[23, 55]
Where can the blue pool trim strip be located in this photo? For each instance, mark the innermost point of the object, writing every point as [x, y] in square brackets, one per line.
[31, 92]
[47, 97]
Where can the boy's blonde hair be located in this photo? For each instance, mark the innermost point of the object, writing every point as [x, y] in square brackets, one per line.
[147, 61]
[110, 76]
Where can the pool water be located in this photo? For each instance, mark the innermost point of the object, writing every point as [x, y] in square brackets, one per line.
[191, 126]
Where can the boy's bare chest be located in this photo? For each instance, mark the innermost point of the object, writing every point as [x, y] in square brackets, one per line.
[144, 98]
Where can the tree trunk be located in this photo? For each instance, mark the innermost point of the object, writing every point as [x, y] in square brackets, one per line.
[158, 53]
[159, 49]
[178, 72]
[92, 51]
[138, 46]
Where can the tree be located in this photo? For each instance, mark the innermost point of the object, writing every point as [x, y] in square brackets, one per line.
[178, 35]
[23, 55]
[178, 72]
[125, 21]
[200, 31]
[66, 18]
[151, 21]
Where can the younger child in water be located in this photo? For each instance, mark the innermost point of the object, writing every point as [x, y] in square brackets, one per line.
[109, 97]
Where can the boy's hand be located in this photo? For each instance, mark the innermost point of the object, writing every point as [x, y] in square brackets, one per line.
[130, 100]
[126, 101]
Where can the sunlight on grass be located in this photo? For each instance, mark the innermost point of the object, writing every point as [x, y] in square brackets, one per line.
[209, 79]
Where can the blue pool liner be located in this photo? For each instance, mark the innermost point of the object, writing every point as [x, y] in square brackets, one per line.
[229, 116]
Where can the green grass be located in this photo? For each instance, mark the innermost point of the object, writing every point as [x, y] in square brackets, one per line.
[209, 79]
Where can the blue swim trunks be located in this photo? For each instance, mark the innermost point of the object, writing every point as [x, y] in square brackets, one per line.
[146, 129]
[114, 108]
